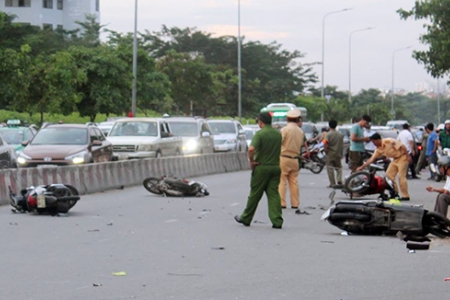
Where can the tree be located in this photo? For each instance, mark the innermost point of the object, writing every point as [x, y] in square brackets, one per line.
[107, 88]
[437, 58]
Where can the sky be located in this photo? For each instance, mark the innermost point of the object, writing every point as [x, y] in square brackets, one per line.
[354, 58]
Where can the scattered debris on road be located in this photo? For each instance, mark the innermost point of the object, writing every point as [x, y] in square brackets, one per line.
[217, 248]
[119, 273]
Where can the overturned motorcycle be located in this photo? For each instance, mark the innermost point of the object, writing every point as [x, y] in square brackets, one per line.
[176, 187]
[52, 199]
[372, 217]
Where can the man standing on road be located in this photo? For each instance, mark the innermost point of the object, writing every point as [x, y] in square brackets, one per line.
[357, 139]
[391, 148]
[406, 138]
[334, 147]
[444, 135]
[264, 157]
[432, 146]
[443, 199]
[421, 161]
[292, 141]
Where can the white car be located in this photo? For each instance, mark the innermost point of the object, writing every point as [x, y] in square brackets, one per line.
[228, 135]
[143, 138]
[250, 131]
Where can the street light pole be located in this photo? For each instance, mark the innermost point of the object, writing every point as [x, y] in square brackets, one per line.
[350, 61]
[239, 64]
[323, 46]
[133, 93]
[393, 87]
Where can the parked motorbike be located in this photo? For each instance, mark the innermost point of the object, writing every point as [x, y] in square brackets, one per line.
[176, 187]
[374, 217]
[367, 182]
[52, 199]
[315, 162]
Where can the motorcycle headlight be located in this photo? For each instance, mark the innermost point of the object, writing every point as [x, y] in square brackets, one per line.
[22, 159]
[190, 145]
[77, 158]
[145, 147]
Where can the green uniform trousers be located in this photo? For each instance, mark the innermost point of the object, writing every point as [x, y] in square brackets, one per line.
[265, 178]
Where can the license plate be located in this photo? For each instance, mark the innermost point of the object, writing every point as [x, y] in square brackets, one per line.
[41, 201]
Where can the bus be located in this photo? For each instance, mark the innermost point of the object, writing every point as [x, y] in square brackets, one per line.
[278, 112]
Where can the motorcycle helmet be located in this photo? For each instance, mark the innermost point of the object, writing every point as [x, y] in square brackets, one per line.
[444, 161]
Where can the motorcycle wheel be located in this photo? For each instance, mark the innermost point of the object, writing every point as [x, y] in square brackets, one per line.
[358, 182]
[318, 165]
[150, 184]
[436, 224]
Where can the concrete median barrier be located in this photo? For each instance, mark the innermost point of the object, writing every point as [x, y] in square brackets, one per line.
[100, 177]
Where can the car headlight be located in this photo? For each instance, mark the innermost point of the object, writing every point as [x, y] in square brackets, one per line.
[190, 145]
[231, 141]
[77, 158]
[22, 159]
[145, 147]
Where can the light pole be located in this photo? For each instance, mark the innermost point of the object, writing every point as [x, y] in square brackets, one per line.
[350, 61]
[133, 93]
[393, 87]
[239, 64]
[323, 45]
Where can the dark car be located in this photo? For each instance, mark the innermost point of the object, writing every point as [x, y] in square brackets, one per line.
[66, 144]
[7, 155]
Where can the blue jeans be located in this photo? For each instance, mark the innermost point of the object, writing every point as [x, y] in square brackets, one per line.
[432, 159]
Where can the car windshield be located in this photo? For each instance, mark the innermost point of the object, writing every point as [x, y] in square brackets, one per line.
[307, 128]
[61, 136]
[222, 127]
[12, 137]
[134, 128]
[249, 134]
[184, 128]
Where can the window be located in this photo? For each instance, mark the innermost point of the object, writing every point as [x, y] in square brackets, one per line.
[97, 5]
[47, 4]
[59, 27]
[18, 3]
[59, 4]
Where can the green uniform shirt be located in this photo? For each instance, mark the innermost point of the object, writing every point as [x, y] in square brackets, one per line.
[267, 143]
[335, 141]
[445, 139]
[357, 146]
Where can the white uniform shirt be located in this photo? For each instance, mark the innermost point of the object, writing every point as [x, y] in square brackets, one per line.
[405, 137]
[447, 184]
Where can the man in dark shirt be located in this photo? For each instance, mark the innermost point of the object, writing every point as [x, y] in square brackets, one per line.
[264, 157]
[333, 146]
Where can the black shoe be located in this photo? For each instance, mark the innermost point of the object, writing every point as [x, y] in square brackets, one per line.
[404, 199]
[338, 186]
[238, 219]
[276, 227]
[416, 177]
[283, 207]
[294, 207]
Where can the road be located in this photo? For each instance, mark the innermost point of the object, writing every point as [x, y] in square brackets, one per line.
[173, 248]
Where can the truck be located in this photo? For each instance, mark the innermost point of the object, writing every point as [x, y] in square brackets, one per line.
[278, 112]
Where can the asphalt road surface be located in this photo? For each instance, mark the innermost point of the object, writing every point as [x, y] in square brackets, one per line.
[191, 248]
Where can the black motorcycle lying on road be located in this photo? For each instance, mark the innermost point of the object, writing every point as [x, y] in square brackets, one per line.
[176, 187]
[52, 199]
[374, 217]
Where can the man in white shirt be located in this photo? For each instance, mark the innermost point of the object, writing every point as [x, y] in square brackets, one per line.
[443, 199]
[406, 138]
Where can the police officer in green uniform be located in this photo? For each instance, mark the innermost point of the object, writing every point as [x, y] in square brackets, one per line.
[264, 157]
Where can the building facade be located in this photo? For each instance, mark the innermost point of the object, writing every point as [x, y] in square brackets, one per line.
[51, 13]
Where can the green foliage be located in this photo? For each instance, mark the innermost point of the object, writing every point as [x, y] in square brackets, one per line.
[437, 58]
